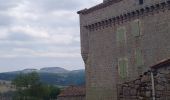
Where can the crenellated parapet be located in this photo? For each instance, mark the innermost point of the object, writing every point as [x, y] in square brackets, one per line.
[130, 15]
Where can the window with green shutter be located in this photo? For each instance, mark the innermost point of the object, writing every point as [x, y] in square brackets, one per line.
[135, 28]
[139, 57]
[121, 35]
[123, 67]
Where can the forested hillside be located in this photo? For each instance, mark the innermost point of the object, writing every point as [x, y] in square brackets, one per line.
[62, 79]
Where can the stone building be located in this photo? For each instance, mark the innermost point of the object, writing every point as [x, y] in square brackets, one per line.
[73, 93]
[154, 84]
[162, 79]
[119, 40]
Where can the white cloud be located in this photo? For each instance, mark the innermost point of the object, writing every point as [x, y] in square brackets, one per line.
[40, 29]
[33, 32]
[52, 53]
[6, 5]
[3, 33]
[23, 11]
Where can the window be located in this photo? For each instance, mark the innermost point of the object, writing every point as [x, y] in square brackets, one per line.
[139, 57]
[121, 35]
[123, 67]
[140, 2]
[135, 28]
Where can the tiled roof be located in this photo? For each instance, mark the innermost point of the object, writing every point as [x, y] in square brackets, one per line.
[73, 91]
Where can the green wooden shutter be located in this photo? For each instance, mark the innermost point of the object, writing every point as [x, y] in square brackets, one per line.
[139, 58]
[121, 35]
[135, 28]
[123, 63]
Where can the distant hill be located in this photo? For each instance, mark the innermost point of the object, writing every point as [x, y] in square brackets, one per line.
[53, 70]
[43, 70]
[28, 71]
[51, 75]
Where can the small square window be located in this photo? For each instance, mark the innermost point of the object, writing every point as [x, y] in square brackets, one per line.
[140, 2]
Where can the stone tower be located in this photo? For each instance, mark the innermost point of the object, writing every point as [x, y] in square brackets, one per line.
[119, 40]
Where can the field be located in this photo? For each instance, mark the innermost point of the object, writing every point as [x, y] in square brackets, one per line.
[3, 89]
[5, 86]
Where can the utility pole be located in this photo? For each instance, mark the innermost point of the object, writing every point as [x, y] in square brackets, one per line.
[153, 86]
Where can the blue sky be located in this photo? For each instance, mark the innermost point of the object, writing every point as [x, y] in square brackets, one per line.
[40, 33]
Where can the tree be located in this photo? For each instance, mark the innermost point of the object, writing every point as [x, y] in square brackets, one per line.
[50, 92]
[26, 80]
[54, 91]
[29, 87]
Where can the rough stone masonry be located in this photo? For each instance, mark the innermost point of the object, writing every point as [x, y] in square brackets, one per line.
[119, 40]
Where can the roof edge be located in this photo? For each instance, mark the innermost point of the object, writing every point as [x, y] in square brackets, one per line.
[161, 64]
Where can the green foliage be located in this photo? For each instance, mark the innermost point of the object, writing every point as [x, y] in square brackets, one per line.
[64, 79]
[29, 87]
[26, 80]
[51, 92]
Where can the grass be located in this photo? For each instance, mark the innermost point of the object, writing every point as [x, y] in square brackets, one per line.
[3, 89]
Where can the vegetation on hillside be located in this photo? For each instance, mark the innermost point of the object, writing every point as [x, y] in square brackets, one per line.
[60, 79]
[29, 87]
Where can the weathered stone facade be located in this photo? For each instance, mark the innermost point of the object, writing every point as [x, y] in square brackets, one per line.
[119, 39]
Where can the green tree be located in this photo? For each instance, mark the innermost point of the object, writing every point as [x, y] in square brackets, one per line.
[29, 87]
[26, 80]
[51, 92]
[54, 91]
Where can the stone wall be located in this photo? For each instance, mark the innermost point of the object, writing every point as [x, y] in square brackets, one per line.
[122, 43]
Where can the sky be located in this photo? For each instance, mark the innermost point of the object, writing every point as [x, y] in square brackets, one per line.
[40, 33]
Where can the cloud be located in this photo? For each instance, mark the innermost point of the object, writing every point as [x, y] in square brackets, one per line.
[30, 31]
[8, 4]
[3, 33]
[41, 31]
[5, 20]
[71, 52]
[50, 5]
[27, 34]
